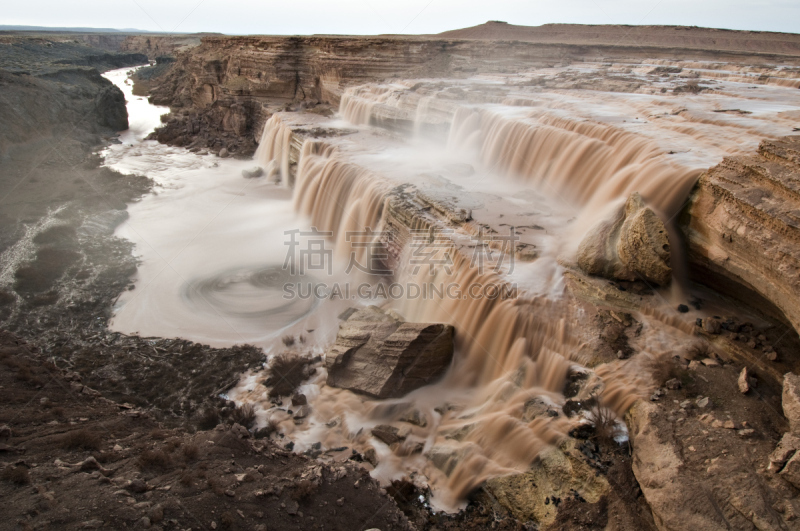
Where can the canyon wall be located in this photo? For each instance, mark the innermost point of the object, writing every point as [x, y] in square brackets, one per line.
[742, 227]
[52, 86]
[224, 89]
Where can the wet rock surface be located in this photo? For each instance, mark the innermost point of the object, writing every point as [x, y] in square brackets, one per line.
[381, 356]
[631, 244]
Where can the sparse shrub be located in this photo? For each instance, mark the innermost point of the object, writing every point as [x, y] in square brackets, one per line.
[81, 439]
[187, 480]
[227, 520]
[286, 373]
[173, 444]
[154, 460]
[266, 431]
[209, 419]
[244, 415]
[17, 475]
[215, 487]
[288, 341]
[605, 424]
[191, 451]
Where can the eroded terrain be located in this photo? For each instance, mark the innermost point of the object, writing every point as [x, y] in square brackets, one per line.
[626, 385]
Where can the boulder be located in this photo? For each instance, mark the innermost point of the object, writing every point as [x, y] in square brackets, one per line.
[786, 449]
[377, 354]
[386, 434]
[251, 173]
[791, 471]
[110, 108]
[557, 475]
[791, 401]
[630, 244]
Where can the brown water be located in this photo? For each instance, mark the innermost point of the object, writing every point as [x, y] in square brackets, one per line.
[549, 152]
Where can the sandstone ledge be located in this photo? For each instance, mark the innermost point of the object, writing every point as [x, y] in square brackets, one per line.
[742, 228]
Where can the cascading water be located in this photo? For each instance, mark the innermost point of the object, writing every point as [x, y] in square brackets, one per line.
[274, 150]
[509, 352]
[513, 158]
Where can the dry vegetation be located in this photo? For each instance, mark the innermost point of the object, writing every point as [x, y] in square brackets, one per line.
[81, 440]
[286, 373]
[17, 475]
[244, 415]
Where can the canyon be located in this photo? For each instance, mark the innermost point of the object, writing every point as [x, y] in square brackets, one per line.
[624, 197]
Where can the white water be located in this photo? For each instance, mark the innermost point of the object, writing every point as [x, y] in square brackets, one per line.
[211, 244]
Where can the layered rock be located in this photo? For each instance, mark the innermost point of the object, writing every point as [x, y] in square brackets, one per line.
[558, 474]
[742, 228]
[264, 73]
[629, 244]
[379, 355]
[155, 46]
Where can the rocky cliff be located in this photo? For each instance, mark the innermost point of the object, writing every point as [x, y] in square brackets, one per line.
[742, 227]
[224, 88]
[157, 45]
[52, 86]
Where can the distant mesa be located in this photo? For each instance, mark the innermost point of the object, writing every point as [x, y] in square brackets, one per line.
[618, 35]
[7, 27]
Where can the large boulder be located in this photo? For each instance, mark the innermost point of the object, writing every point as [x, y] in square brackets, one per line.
[559, 473]
[379, 355]
[630, 244]
[786, 457]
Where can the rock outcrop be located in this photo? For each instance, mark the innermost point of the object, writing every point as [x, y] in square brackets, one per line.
[785, 460]
[686, 492]
[742, 228]
[78, 100]
[630, 244]
[380, 356]
[557, 475]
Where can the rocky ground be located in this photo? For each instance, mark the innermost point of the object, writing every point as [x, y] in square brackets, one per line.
[72, 459]
[103, 430]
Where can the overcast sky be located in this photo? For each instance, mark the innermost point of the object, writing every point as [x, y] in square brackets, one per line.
[290, 17]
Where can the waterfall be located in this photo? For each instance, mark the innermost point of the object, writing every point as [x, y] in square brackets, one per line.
[585, 163]
[510, 350]
[274, 149]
